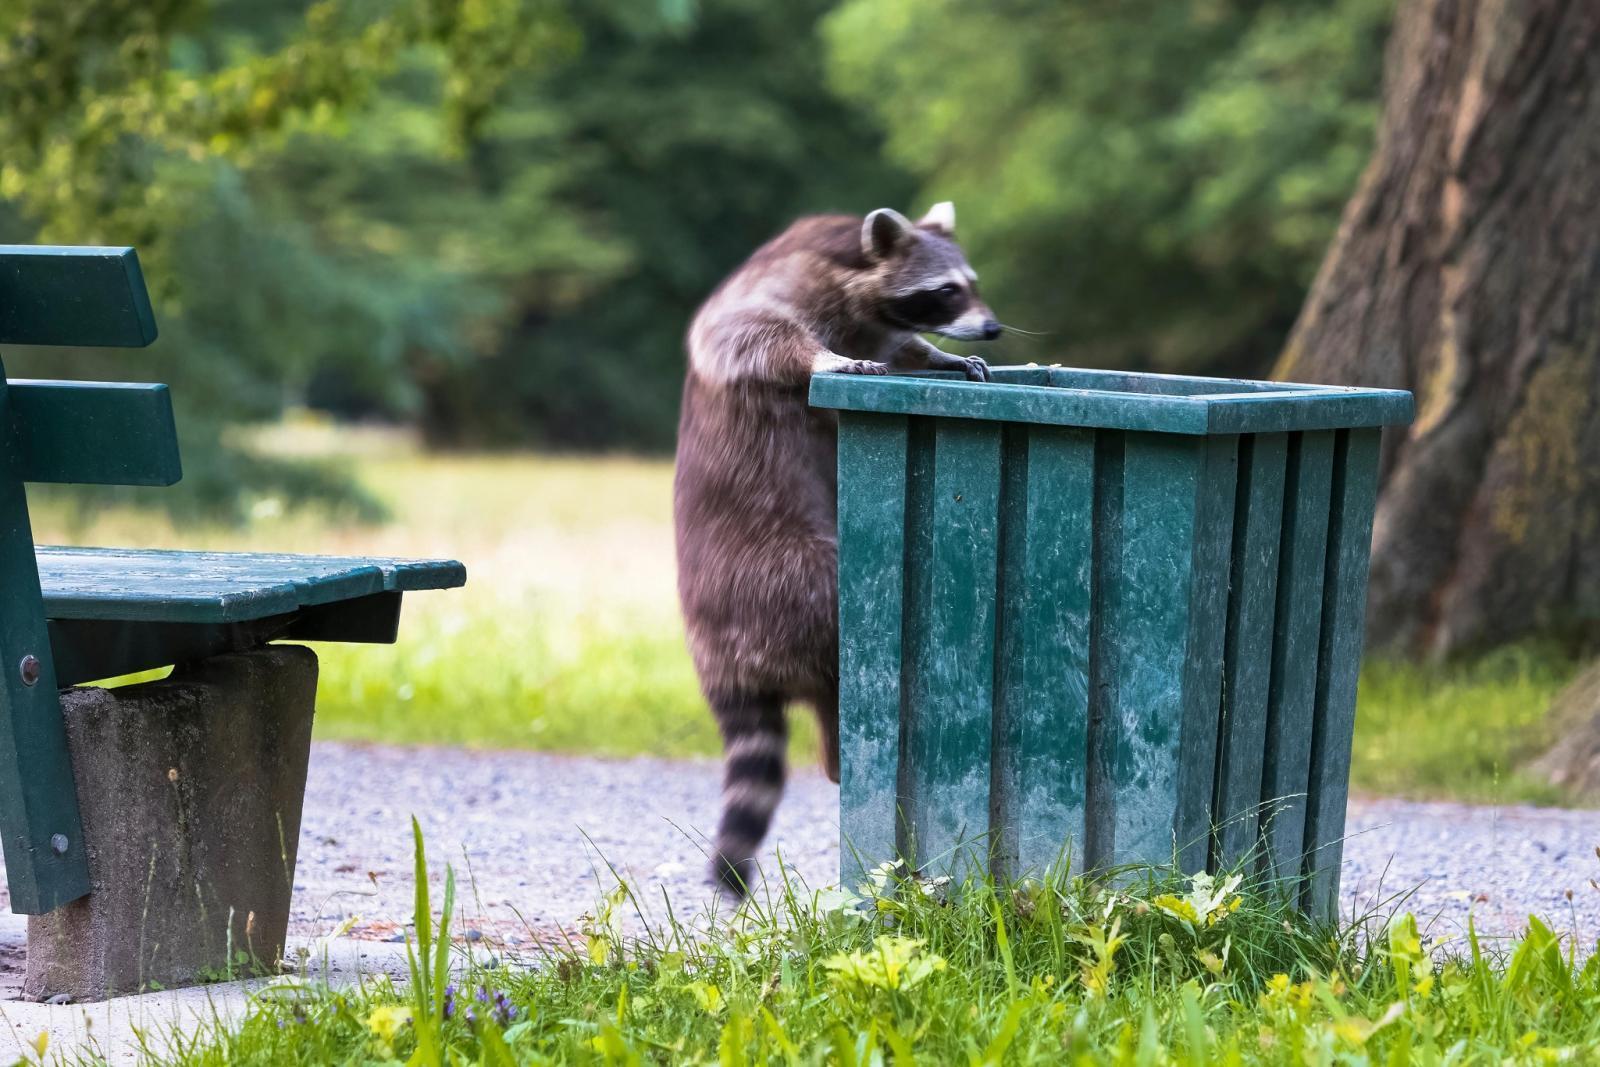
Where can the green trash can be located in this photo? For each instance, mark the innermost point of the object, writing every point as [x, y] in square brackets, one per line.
[1102, 617]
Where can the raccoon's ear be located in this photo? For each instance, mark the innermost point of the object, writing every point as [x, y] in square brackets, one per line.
[941, 218]
[884, 231]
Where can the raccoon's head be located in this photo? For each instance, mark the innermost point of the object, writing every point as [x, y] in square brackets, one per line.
[923, 281]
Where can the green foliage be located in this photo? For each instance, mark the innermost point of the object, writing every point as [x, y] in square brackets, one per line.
[1060, 969]
[1460, 729]
[1151, 183]
[495, 217]
[129, 122]
[550, 678]
[646, 172]
[97, 95]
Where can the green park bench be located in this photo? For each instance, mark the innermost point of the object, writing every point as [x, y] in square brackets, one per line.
[74, 615]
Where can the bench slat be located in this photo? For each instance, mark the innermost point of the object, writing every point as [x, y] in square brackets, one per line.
[65, 295]
[219, 587]
[95, 433]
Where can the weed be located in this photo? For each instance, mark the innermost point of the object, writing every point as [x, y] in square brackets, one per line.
[1139, 967]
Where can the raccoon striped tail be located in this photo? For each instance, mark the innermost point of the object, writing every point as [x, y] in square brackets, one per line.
[755, 740]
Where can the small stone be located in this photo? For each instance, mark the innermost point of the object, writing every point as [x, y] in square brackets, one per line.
[474, 935]
[60, 998]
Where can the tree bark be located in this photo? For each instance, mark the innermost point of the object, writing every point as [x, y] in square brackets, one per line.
[1467, 269]
[1573, 763]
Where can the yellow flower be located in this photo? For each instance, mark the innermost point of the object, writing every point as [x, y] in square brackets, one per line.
[1177, 907]
[1301, 995]
[387, 1022]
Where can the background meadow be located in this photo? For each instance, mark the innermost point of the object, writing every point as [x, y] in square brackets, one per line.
[566, 637]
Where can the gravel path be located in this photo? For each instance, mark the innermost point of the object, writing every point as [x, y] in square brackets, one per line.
[533, 829]
[534, 838]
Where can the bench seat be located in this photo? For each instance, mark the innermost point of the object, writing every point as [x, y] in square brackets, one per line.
[162, 585]
[113, 611]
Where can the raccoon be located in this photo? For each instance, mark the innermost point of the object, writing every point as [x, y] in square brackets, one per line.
[754, 491]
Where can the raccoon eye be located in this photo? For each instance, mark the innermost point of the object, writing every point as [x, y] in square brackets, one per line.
[948, 289]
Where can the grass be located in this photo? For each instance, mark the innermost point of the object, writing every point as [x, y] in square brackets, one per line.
[1139, 968]
[567, 637]
[1459, 730]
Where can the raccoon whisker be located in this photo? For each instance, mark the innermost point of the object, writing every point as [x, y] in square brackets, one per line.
[1027, 333]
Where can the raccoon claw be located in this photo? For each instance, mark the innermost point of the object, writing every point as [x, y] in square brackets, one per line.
[864, 366]
[976, 369]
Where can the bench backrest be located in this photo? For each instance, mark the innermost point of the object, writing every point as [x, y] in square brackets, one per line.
[55, 431]
[92, 433]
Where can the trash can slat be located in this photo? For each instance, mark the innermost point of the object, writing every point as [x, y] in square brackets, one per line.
[1203, 668]
[872, 448]
[1248, 661]
[1148, 631]
[1291, 704]
[949, 667]
[1042, 695]
[1355, 492]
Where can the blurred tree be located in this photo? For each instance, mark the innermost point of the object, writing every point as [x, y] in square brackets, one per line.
[626, 186]
[97, 94]
[138, 122]
[416, 232]
[1150, 182]
[1467, 268]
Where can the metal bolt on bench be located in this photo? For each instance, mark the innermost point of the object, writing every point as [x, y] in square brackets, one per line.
[74, 615]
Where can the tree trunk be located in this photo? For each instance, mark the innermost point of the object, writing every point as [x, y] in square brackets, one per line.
[1467, 269]
[1573, 762]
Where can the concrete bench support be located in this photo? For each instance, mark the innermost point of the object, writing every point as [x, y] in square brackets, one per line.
[191, 790]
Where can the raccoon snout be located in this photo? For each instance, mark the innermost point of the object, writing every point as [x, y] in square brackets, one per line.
[971, 328]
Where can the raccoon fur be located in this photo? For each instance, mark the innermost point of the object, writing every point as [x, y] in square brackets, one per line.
[754, 493]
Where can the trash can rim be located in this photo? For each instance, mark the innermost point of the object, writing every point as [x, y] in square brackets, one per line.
[1095, 399]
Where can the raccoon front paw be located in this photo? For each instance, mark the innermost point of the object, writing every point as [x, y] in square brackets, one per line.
[976, 369]
[864, 366]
